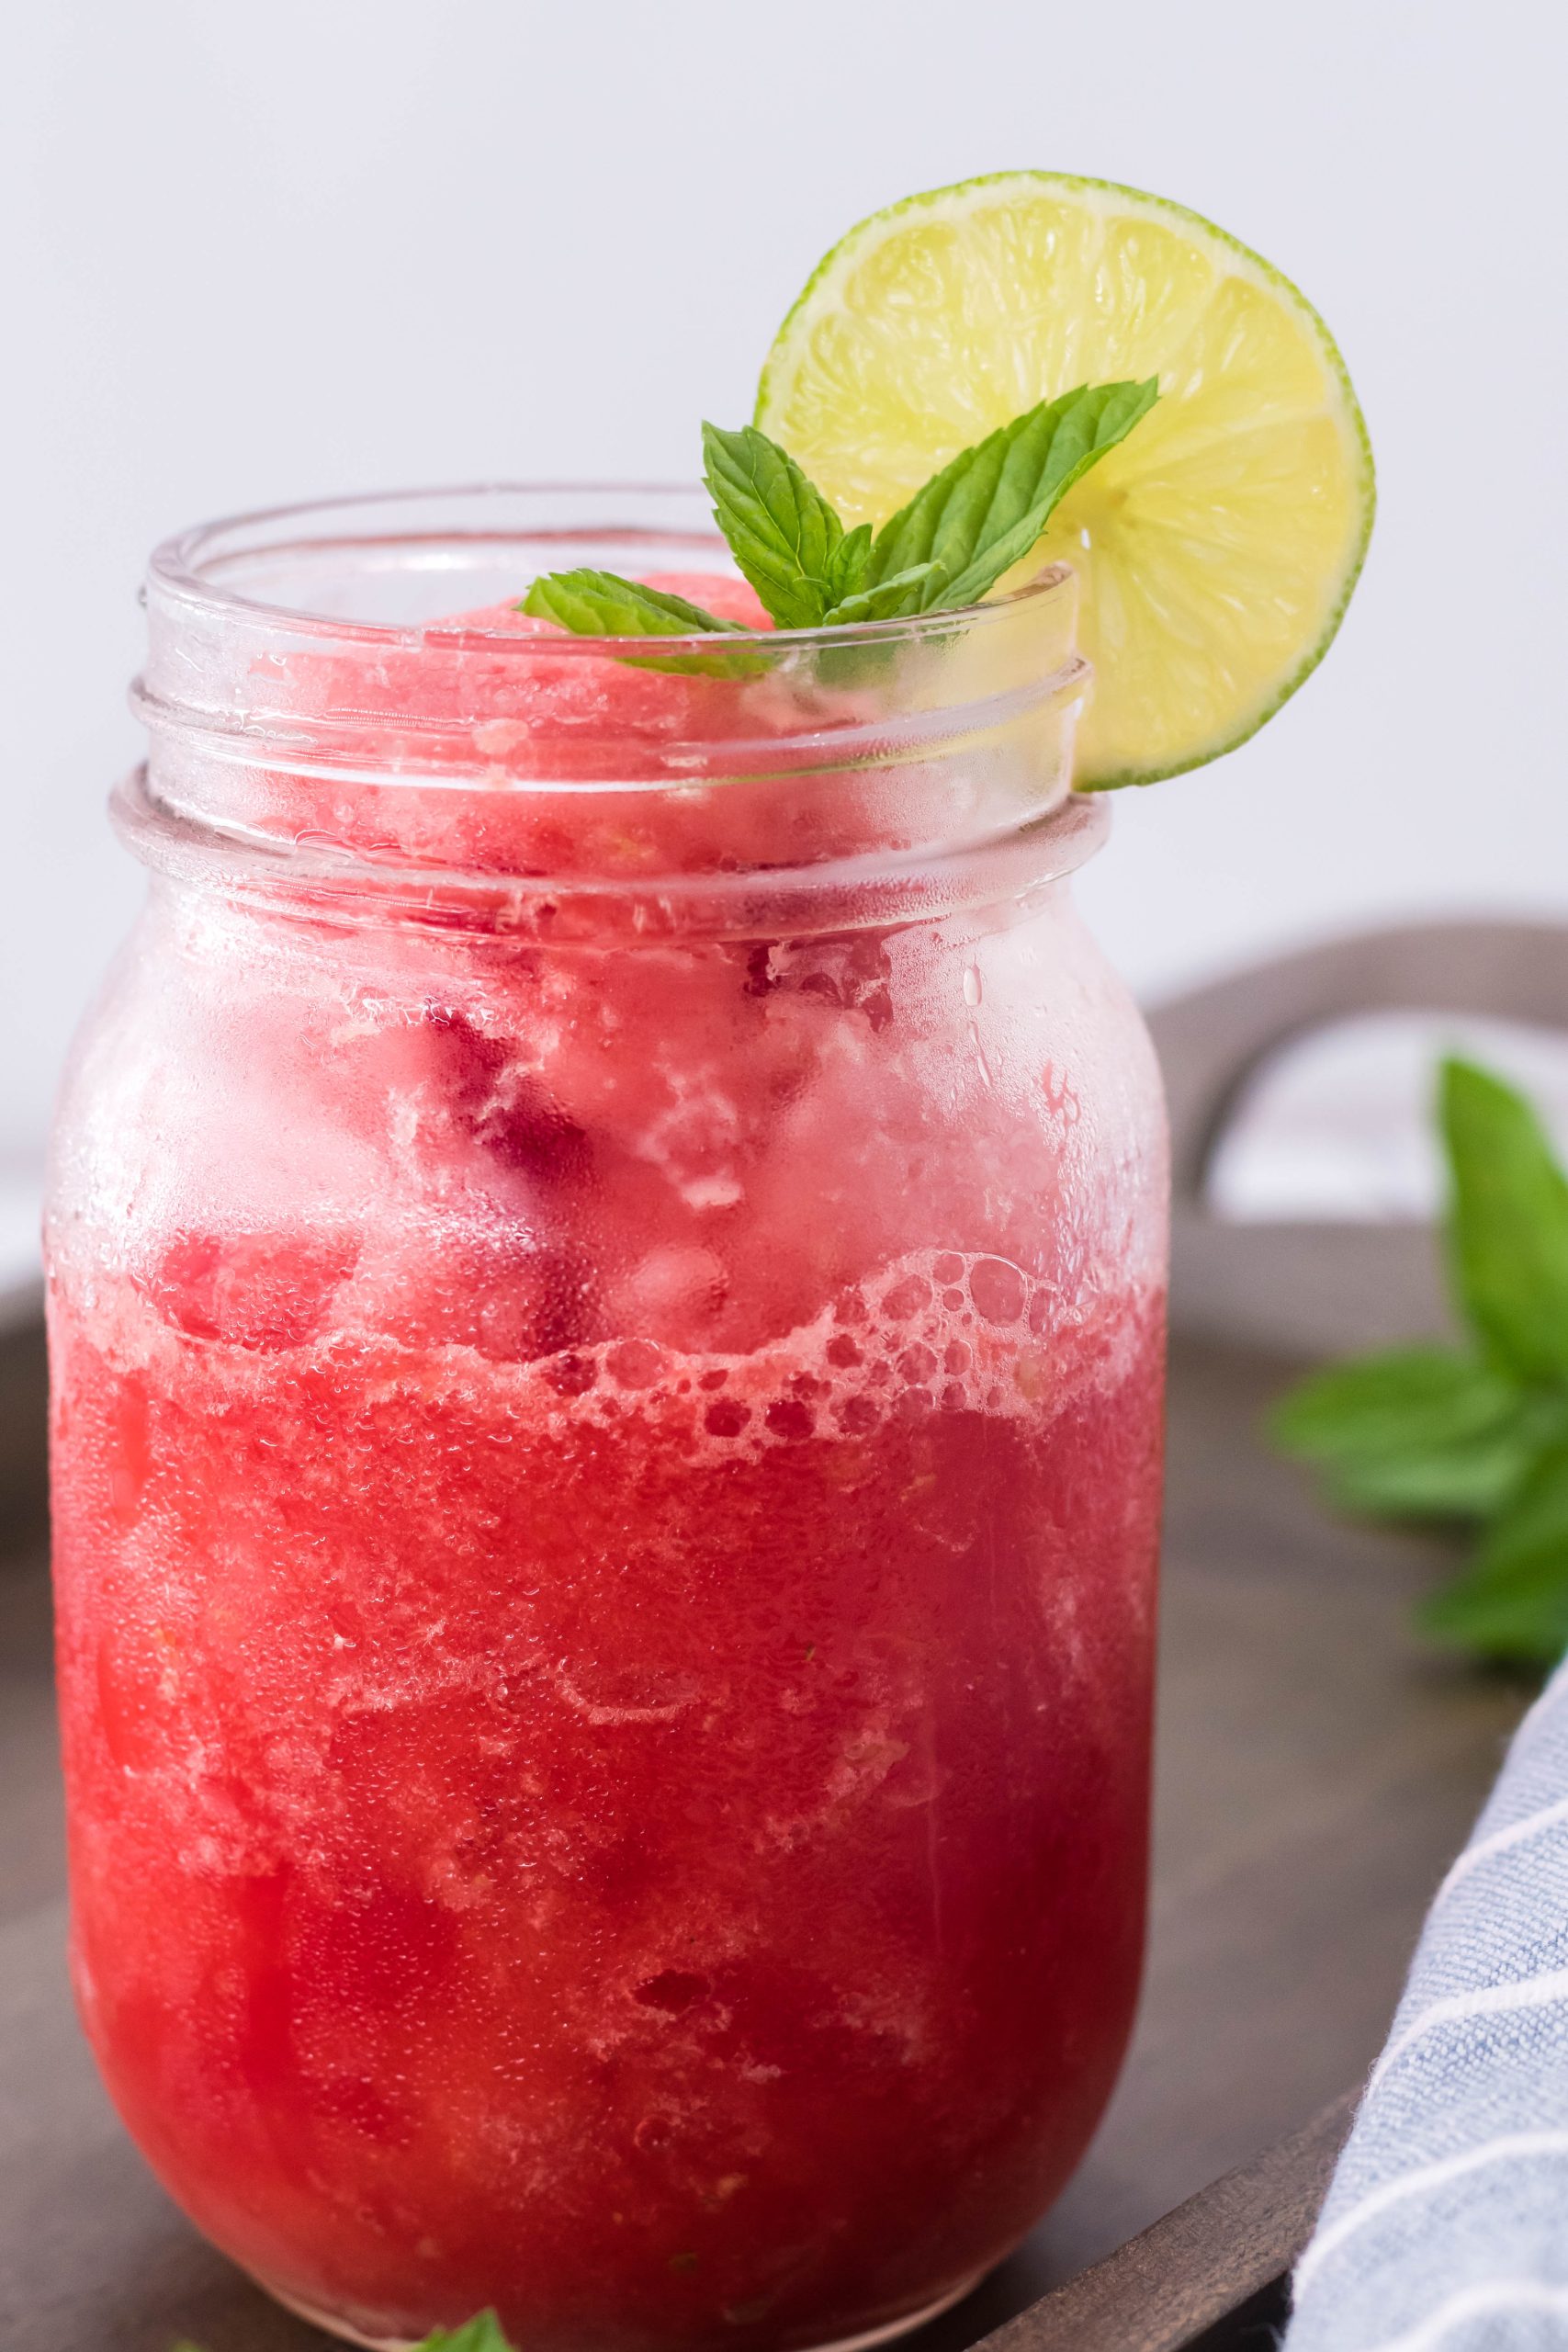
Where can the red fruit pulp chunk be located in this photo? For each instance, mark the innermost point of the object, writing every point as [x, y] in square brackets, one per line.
[249, 1290]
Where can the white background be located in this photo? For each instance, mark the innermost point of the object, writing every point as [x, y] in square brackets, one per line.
[263, 249]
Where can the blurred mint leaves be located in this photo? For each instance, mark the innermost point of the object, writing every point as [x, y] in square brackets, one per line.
[1476, 1436]
[946, 548]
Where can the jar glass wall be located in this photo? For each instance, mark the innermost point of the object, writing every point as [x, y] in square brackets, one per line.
[606, 1257]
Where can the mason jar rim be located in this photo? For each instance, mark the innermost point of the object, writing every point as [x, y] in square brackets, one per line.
[316, 673]
[181, 570]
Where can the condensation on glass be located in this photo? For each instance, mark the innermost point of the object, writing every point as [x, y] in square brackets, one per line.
[607, 1259]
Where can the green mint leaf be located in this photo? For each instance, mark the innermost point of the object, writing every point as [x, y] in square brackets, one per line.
[848, 567]
[782, 532]
[600, 603]
[986, 508]
[1415, 1432]
[1507, 1229]
[481, 2334]
[1512, 1604]
[890, 599]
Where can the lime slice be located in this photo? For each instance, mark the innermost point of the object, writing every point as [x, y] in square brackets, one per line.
[1216, 548]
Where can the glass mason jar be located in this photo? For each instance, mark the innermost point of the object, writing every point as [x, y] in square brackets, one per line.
[608, 1254]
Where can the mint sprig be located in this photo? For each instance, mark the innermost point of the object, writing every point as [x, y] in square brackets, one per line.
[1476, 1436]
[946, 548]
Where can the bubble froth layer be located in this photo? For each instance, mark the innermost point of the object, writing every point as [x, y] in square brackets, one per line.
[945, 1331]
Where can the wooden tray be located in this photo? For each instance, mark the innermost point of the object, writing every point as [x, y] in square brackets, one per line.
[1316, 1771]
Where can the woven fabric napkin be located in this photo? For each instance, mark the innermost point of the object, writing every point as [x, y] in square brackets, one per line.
[1446, 2228]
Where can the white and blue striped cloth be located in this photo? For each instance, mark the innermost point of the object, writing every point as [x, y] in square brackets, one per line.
[1446, 2229]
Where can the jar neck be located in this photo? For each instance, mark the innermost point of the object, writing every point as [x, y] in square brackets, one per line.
[361, 745]
[319, 881]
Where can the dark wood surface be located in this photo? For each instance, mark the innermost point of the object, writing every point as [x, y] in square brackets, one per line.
[1317, 1768]
[1207, 2274]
